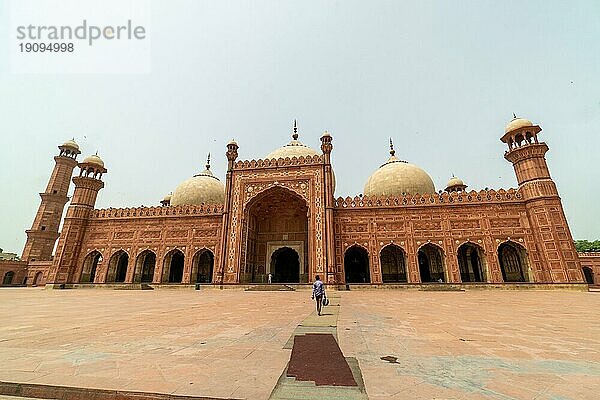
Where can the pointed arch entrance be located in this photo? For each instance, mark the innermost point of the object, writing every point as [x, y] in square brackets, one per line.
[513, 262]
[90, 267]
[356, 265]
[276, 218]
[117, 267]
[144, 267]
[393, 264]
[173, 267]
[285, 265]
[202, 266]
[471, 261]
[38, 278]
[431, 263]
[8, 278]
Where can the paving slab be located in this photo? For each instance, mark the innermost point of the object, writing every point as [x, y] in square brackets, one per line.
[464, 345]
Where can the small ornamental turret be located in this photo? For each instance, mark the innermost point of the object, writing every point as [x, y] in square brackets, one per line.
[166, 201]
[326, 145]
[455, 185]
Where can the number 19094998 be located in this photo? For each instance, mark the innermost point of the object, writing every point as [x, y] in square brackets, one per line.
[46, 47]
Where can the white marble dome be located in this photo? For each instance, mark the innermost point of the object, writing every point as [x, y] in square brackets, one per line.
[397, 177]
[295, 148]
[204, 188]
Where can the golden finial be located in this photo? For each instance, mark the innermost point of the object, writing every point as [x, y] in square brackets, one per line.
[295, 130]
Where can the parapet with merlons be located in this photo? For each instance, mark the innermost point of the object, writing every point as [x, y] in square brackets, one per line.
[141, 212]
[411, 200]
[279, 162]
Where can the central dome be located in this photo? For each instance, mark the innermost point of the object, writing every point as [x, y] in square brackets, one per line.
[295, 148]
[201, 188]
[397, 177]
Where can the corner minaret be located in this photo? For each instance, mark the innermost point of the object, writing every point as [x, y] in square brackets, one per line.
[44, 230]
[329, 186]
[558, 260]
[224, 272]
[527, 154]
[87, 185]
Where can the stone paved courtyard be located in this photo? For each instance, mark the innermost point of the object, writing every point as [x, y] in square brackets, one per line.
[230, 344]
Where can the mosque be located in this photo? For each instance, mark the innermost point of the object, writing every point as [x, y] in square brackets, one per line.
[278, 215]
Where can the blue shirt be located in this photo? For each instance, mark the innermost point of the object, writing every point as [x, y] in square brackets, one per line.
[318, 288]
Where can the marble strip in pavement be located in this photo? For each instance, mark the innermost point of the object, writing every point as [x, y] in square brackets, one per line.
[289, 388]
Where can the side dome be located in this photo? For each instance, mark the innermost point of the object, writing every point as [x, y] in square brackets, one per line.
[93, 159]
[517, 123]
[203, 188]
[295, 148]
[397, 177]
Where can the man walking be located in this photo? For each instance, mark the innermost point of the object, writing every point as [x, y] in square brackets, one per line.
[318, 292]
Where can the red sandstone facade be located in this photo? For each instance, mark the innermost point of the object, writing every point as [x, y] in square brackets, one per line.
[280, 217]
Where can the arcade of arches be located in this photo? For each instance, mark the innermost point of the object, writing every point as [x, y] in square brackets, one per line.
[275, 238]
[512, 259]
[145, 267]
[271, 221]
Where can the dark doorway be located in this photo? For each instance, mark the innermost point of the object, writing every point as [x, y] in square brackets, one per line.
[393, 264]
[424, 268]
[122, 268]
[176, 267]
[95, 261]
[90, 266]
[203, 267]
[8, 278]
[512, 262]
[117, 267]
[470, 262]
[588, 274]
[146, 263]
[37, 279]
[285, 264]
[356, 265]
[431, 267]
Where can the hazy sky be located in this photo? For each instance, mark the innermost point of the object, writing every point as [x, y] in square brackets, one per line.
[441, 78]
